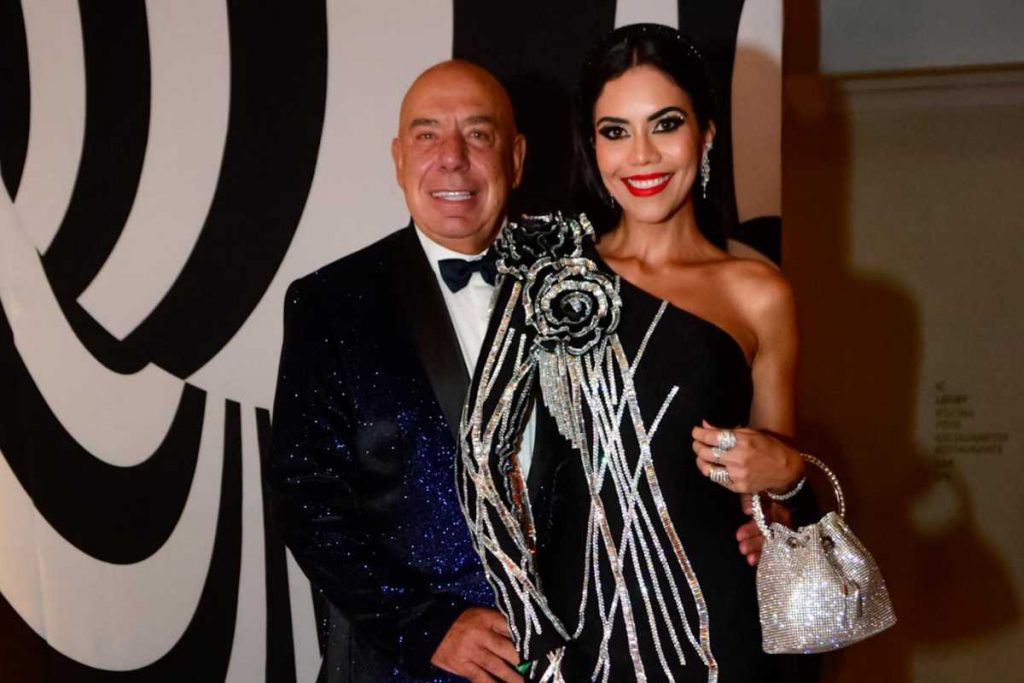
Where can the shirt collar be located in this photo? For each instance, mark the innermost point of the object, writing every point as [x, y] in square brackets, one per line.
[436, 252]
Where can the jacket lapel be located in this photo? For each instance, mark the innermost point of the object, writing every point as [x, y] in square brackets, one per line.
[430, 326]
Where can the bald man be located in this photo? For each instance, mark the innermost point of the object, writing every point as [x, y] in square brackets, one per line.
[378, 350]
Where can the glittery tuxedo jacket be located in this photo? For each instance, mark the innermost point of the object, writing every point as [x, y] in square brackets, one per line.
[370, 391]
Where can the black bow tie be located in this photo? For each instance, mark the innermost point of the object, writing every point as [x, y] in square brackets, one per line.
[456, 271]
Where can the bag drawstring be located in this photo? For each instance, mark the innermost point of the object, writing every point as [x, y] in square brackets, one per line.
[852, 594]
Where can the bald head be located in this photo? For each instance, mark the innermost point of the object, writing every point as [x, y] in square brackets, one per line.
[457, 154]
[455, 75]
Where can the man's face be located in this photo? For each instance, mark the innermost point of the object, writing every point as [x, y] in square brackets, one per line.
[457, 155]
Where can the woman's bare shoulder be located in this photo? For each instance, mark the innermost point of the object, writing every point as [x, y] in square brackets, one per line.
[759, 290]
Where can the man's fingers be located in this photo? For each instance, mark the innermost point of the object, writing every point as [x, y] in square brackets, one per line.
[499, 668]
[747, 504]
[752, 545]
[475, 673]
[497, 623]
[748, 530]
[502, 647]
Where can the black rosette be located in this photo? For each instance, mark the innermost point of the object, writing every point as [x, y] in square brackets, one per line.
[571, 304]
[549, 236]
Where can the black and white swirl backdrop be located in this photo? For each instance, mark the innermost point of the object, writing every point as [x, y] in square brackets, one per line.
[168, 168]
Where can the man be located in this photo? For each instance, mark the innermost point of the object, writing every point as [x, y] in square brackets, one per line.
[376, 361]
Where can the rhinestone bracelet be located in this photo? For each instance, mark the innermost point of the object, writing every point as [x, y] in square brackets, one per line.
[779, 497]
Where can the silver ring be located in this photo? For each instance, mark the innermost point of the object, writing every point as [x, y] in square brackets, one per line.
[720, 476]
[726, 439]
[718, 451]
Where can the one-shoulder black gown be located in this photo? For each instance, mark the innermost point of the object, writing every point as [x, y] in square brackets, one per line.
[626, 565]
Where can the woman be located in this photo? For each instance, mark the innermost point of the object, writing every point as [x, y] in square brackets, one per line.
[624, 567]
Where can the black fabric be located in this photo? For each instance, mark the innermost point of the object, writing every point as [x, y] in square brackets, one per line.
[361, 460]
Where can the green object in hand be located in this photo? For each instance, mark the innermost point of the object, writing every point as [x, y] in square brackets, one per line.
[524, 667]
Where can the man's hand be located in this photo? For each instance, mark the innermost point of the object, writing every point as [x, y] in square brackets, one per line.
[749, 535]
[478, 647]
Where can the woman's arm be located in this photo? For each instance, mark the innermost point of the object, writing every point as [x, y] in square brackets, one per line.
[762, 459]
[772, 312]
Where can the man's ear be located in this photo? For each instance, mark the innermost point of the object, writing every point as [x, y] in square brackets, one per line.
[518, 158]
[396, 156]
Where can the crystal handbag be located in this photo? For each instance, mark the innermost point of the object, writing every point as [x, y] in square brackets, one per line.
[818, 588]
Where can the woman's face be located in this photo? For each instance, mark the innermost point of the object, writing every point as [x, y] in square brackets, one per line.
[648, 143]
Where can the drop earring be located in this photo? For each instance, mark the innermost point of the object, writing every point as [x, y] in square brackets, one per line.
[705, 169]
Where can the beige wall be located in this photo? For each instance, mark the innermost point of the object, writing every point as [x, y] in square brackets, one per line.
[904, 238]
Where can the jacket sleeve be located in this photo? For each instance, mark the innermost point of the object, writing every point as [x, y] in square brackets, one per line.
[314, 482]
[490, 483]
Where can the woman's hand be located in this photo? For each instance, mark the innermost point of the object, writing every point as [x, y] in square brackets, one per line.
[756, 462]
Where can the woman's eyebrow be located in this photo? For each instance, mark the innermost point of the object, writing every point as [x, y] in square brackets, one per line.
[656, 115]
[661, 112]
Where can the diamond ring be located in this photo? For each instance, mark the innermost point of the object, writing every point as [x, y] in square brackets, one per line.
[726, 439]
[720, 476]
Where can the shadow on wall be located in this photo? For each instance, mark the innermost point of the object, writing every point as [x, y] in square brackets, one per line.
[861, 353]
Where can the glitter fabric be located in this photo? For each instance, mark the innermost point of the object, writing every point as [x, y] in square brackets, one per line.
[362, 456]
[631, 572]
[818, 587]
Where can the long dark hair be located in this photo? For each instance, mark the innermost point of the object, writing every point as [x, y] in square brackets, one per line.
[674, 55]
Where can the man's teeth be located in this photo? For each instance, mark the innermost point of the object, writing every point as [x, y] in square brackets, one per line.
[451, 195]
[647, 184]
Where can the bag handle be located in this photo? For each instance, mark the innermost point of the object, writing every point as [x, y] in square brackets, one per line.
[762, 524]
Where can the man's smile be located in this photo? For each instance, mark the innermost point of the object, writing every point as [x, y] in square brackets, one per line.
[453, 195]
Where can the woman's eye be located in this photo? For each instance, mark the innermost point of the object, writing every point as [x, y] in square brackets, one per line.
[668, 124]
[612, 132]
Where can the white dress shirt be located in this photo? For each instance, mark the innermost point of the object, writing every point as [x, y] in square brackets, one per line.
[470, 310]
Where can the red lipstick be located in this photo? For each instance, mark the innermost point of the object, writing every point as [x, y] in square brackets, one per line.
[647, 184]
